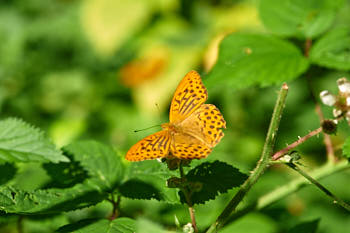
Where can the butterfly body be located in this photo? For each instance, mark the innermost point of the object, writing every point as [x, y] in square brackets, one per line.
[194, 127]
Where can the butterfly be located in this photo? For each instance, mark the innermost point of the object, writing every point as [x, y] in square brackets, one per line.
[194, 128]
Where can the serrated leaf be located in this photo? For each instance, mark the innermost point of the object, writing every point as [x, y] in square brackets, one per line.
[17, 201]
[208, 174]
[100, 161]
[7, 172]
[305, 227]
[119, 225]
[298, 17]
[20, 142]
[346, 148]
[333, 49]
[246, 59]
[137, 189]
[156, 174]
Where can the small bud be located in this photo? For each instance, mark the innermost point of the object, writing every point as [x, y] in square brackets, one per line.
[337, 112]
[343, 85]
[329, 126]
[348, 101]
[188, 228]
[327, 98]
[286, 158]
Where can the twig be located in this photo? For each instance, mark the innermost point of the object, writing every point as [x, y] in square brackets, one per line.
[261, 165]
[115, 210]
[308, 43]
[289, 188]
[336, 199]
[280, 153]
[188, 199]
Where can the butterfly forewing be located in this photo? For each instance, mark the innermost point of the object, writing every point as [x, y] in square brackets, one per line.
[206, 124]
[188, 97]
[151, 147]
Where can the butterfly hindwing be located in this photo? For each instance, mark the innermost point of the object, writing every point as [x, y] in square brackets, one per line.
[151, 147]
[188, 97]
[205, 123]
[188, 147]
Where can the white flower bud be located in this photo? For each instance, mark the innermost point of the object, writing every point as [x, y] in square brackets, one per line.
[327, 98]
[348, 101]
[343, 85]
[188, 228]
[337, 112]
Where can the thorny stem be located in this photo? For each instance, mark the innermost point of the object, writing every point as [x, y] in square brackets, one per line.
[280, 153]
[262, 164]
[115, 211]
[336, 199]
[289, 188]
[188, 199]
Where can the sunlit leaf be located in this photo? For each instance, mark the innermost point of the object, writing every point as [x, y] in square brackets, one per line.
[298, 17]
[333, 49]
[21, 142]
[246, 59]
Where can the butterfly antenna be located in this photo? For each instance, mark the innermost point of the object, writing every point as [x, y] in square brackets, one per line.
[138, 130]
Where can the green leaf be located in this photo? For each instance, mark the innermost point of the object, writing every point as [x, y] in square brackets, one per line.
[20, 142]
[103, 165]
[333, 49]
[208, 174]
[145, 226]
[65, 175]
[119, 225]
[17, 201]
[246, 59]
[155, 174]
[305, 227]
[7, 172]
[346, 148]
[137, 189]
[298, 17]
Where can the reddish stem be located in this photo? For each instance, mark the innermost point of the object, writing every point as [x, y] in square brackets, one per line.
[282, 152]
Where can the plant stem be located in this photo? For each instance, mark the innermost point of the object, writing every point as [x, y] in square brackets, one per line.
[336, 199]
[115, 211]
[261, 165]
[289, 188]
[282, 152]
[188, 199]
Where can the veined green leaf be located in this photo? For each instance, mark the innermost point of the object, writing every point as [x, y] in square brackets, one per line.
[307, 19]
[20, 142]
[246, 59]
[17, 201]
[119, 225]
[333, 49]
[100, 161]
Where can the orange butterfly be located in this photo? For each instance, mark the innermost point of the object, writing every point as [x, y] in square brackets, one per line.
[194, 127]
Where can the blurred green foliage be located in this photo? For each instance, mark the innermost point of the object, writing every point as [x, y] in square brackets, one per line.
[66, 66]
